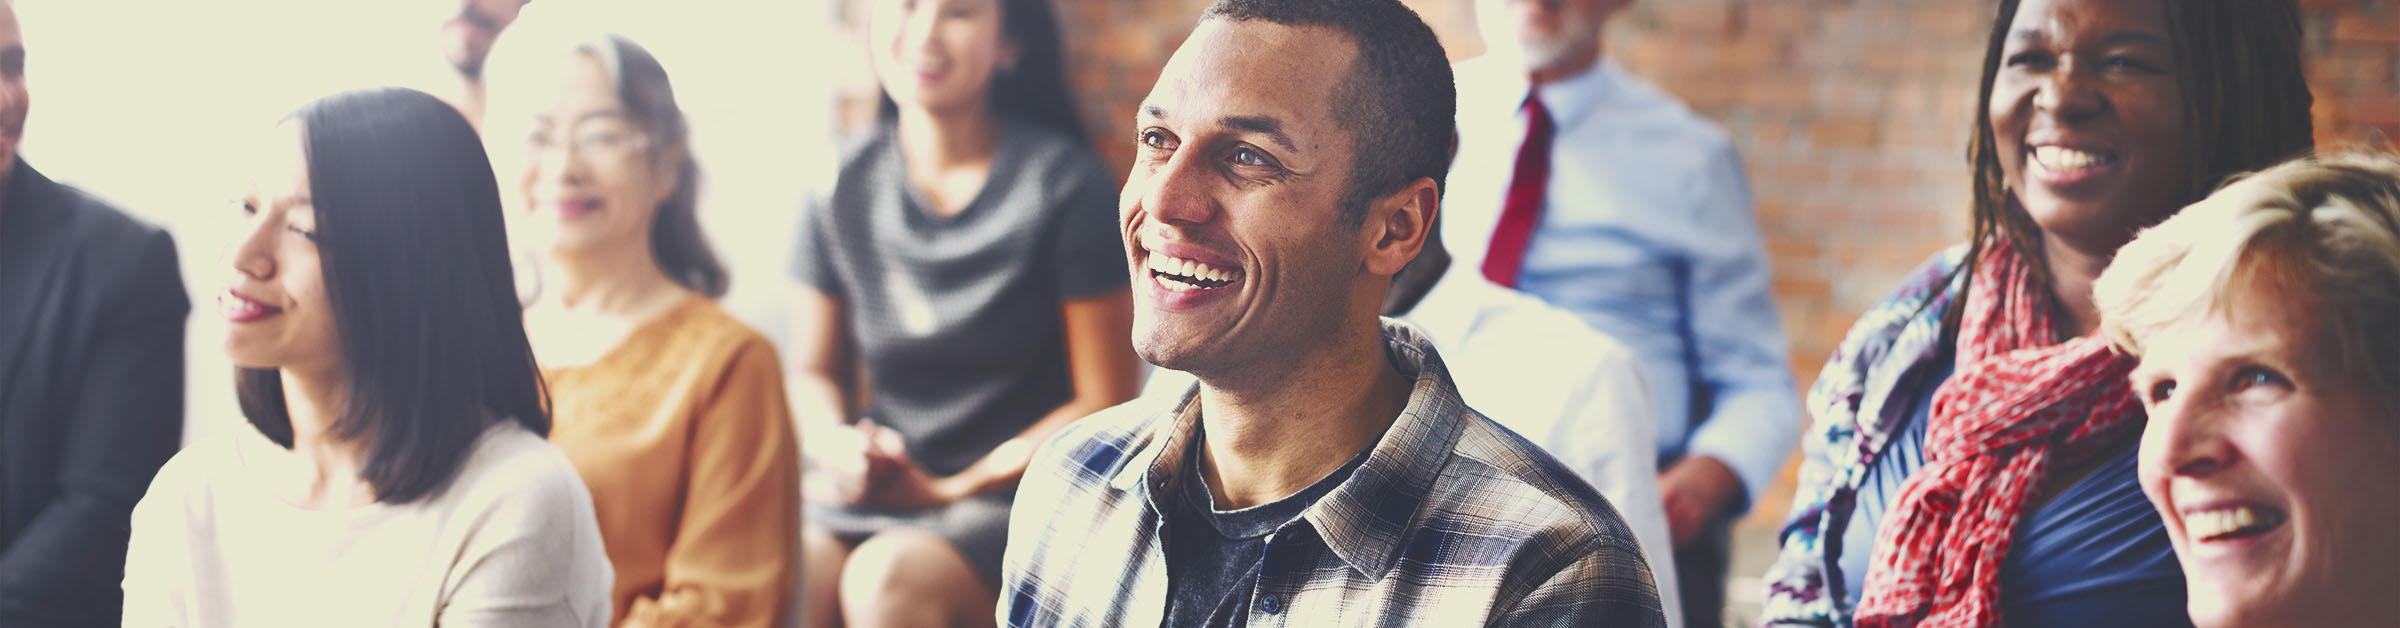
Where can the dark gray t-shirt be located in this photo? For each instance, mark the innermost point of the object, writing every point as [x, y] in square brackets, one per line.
[1213, 556]
[958, 319]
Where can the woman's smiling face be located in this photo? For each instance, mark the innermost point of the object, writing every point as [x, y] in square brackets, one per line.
[2272, 469]
[2087, 113]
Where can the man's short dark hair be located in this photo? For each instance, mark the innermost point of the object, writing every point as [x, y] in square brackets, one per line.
[1398, 103]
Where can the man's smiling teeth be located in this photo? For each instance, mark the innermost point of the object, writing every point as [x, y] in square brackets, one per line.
[1185, 275]
[2209, 524]
[1188, 268]
[2062, 159]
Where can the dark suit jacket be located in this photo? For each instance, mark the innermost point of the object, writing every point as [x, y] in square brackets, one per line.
[92, 314]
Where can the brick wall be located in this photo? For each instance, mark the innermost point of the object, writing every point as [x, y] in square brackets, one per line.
[1851, 115]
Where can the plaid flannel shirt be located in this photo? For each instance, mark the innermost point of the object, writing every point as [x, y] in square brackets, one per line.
[1451, 521]
[1891, 348]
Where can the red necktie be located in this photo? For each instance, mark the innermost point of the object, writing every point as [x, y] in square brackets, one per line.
[1523, 208]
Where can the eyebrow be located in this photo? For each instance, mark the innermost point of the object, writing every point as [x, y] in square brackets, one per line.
[1263, 125]
[2128, 36]
[2134, 37]
[603, 114]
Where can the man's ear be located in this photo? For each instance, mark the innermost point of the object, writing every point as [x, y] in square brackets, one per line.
[1398, 224]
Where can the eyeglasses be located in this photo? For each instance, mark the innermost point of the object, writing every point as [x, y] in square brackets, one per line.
[602, 141]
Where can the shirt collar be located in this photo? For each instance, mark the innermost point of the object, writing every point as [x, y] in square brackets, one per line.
[1454, 307]
[1572, 99]
[1364, 521]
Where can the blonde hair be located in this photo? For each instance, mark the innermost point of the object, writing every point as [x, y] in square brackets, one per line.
[2323, 231]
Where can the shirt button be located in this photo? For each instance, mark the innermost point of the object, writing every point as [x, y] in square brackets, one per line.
[1272, 604]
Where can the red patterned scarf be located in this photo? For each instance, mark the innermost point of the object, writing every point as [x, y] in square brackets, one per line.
[2016, 405]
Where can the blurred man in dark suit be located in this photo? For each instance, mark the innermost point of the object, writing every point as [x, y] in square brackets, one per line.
[92, 311]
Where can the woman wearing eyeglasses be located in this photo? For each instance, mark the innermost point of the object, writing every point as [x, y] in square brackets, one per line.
[671, 409]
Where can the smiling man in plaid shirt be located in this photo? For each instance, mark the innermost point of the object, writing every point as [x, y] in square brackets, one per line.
[1323, 472]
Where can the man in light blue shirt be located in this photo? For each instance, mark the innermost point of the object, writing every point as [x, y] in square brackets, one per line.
[1641, 224]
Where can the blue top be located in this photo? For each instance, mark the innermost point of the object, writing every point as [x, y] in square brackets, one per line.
[1646, 233]
[2093, 555]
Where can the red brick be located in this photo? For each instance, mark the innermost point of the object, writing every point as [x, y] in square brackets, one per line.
[1846, 130]
[1950, 23]
[1888, 61]
[1749, 54]
[1705, 95]
[1794, 249]
[2351, 27]
[1779, 18]
[1793, 288]
[2369, 110]
[1885, 178]
[1689, 18]
[1804, 172]
[1779, 92]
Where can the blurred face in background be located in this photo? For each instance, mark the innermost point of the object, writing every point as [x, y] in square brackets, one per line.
[938, 55]
[468, 32]
[13, 102]
[577, 171]
[276, 309]
[1553, 36]
[2087, 118]
[2272, 468]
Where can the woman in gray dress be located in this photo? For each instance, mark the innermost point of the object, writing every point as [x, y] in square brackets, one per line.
[967, 263]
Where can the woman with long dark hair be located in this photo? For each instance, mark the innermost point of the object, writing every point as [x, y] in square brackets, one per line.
[966, 261]
[397, 475]
[672, 409]
[1973, 457]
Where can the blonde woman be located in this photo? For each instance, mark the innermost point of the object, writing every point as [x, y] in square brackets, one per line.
[2271, 373]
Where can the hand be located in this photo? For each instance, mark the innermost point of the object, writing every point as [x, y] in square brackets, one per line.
[908, 486]
[901, 483]
[851, 461]
[1694, 490]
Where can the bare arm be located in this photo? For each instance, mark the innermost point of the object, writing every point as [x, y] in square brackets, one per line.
[821, 376]
[822, 367]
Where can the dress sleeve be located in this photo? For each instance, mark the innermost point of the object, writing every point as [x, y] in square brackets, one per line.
[731, 563]
[812, 251]
[1088, 255]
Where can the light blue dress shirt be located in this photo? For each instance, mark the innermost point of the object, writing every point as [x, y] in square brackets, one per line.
[1646, 232]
